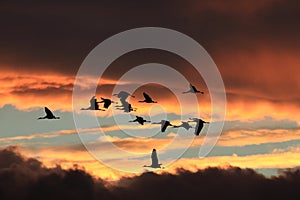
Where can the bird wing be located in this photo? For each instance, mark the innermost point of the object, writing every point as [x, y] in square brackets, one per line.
[154, 159]
[194, 88]
[107, 103]
[185, 125]
[49, 113]
[198, 128]
[147, 97]
[123, 95]
[164, 125]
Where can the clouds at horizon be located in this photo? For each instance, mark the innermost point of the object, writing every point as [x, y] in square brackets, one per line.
[30, 179]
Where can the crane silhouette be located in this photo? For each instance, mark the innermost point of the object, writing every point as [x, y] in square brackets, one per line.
[49, 115]
[140, 120]
[199, 125]
[193, 90]
[185, 125]
[154, 160]
[147, 99]
[164, 124]
[125, 106]
[93, 105]
[107, 102]
[123, 95]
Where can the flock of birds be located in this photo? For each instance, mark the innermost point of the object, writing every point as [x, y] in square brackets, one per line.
[127, 107]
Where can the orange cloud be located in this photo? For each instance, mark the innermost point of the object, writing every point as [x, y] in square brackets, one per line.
[272, 160]
[259, 83]
[67, 159]
[34, 90]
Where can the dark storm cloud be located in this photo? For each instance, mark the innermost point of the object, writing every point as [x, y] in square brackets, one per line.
[22, 178]
[57, 35]
[28, 179]
[254, 43]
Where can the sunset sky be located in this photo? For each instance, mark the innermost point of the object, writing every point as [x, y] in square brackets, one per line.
[255, 45]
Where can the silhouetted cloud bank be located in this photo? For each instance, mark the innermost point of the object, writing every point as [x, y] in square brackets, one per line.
[27, 178]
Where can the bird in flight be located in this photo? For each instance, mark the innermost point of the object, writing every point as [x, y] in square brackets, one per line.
[125, 106]
[199, 125]
[93, 105]
[185, 125]
[107, 102]
[193, 90]
[154, 160]
[140, 120]
[49, 115]
[147, 99]
[123, 95]
[164, 124]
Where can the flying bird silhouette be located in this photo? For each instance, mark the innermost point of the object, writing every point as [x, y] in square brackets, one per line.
[199, 125]
[193, 90]
[123, 95]
[154, 160]
[107, 102]
[147, 99]
[140, 120]
[164, 125]
[49, 115]
[125, 106]
[185, 125]
[93, 105]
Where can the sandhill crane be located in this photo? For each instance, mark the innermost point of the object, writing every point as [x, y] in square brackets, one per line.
[126, 106]
[107, 102]
[199, 125]
[164, 125]
[185, 125]
[93, 105]
[193, 90]
[154, 160]
[147, 98]
[123, 95]
[49, 115]
[140, 120]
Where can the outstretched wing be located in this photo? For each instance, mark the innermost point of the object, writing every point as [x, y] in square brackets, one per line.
[198, 128]
[164, 125]
[192, 87]
[147, 97]
[185, 125]
[123, 95]
[49, 113]
[154, 158]
[107, 103]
